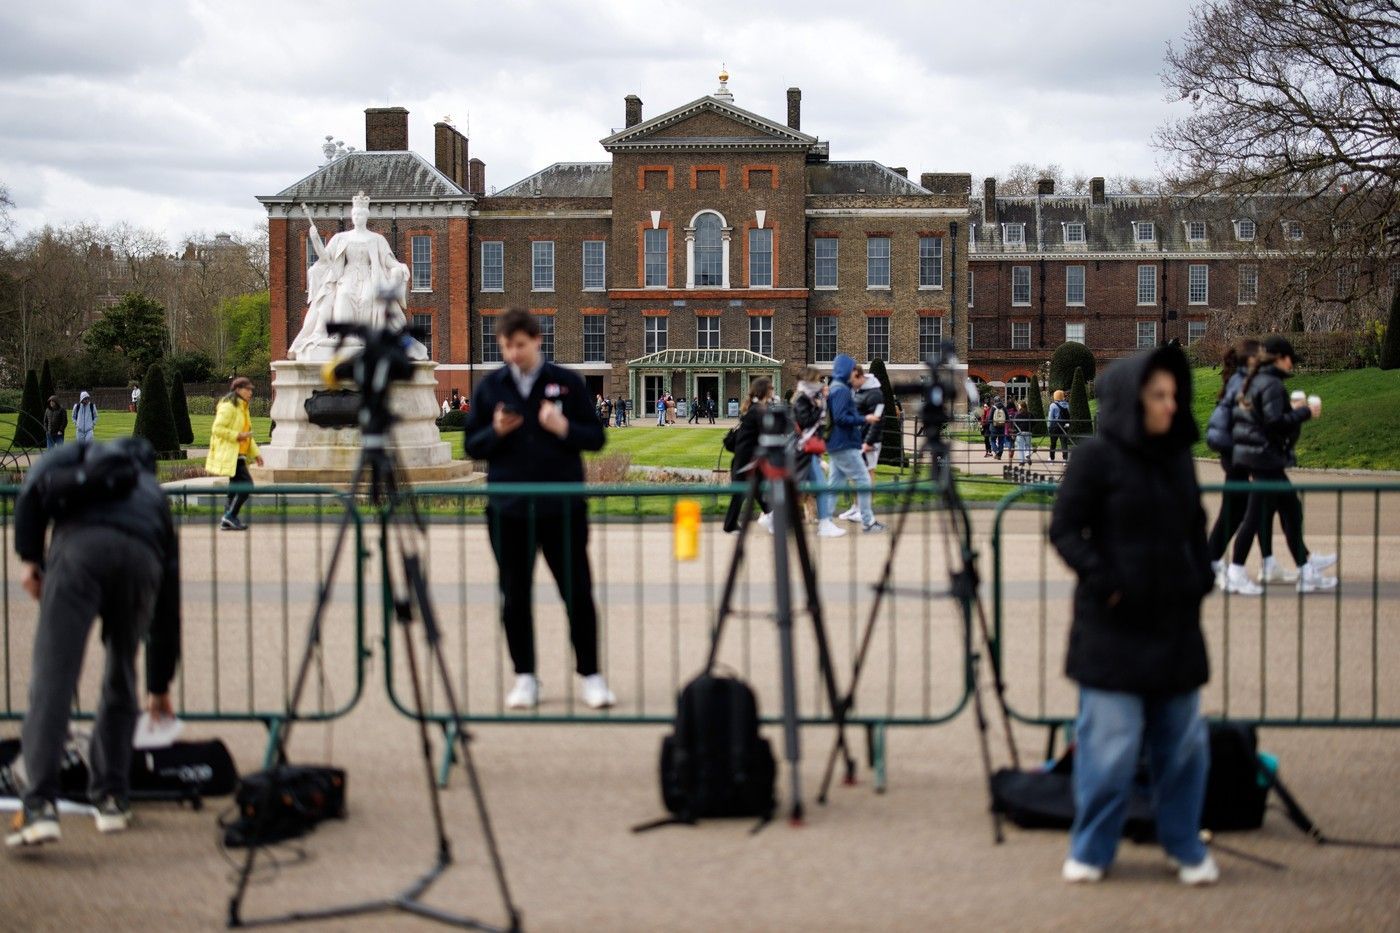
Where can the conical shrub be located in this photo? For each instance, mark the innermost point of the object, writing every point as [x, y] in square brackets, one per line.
[154, 421]
[180, 409]
[1037, 408]
[29, 426]
[1081, 423]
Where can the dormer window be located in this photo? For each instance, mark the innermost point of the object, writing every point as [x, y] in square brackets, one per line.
[1013, 235]
[1074, 234]
[1244, 230]
[1293, 229]
[1144, 232]
[1195, 231]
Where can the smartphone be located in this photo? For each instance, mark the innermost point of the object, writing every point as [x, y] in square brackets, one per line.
[510, 409]
[880, 410]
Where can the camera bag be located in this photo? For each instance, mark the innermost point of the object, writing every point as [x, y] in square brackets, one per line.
[284, 802]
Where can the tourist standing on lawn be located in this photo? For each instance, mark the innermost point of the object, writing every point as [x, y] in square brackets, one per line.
[1128, 521]
[231, 446]
[84, 417]
[135, 397]
[55, 423]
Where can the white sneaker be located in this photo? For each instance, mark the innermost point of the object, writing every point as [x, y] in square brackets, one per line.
[850, 515]
[596, 694]
[829, 529]
[1237, 581]
[1322, 562]
[765, 521]
[1273, 572]
[1196, 875]
[525, 694]
[1310, 579]
[1080, 873]
[1217, 567]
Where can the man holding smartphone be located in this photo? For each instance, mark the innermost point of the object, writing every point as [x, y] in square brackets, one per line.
[531, 420]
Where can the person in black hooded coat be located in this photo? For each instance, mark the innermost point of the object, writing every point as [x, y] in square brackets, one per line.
[1128, 520]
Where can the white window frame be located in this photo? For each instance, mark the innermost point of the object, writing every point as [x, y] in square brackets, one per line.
[546, 322]
[1144, 225]
[664, 234]
[1020, 335]
[704, 331]
[971, 334]
[424, 320]
[1192, 226]
[872, 337]
[1249, 285]
[1152, 341]
[1293, 230]
[602, 355]
[1195, 331]
[490, 349]
[761, 327]
[934, 326]
[311, 256]
[1198, 284]
[655, 333]
[1240, 230]
[1072, 338]
[1016, 272]
[541, 265]
[693, 250]
[872, 261]
[1151, 282]
[935, 263]
[1070, 239]
[1013, 236]
[818, 261]
[971, 287]
[817, 338]
[499, 248]
[422, 265]
[1070, 300]
[760, 233]
[600, 267]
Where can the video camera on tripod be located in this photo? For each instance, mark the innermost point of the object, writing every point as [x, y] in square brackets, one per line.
[942, 389]
[378, 358]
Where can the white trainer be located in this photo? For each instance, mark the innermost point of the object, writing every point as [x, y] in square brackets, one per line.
[851, 515]
[1080, 873]
[765, 521]
[1311, 580]
[1274, 572]
[1237, 581]
[525, 694]
[1197, 875]
[596, 694]
[829, 529]
[1217, 567]
[1321, 562]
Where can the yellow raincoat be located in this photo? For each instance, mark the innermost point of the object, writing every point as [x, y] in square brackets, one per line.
[231, 418]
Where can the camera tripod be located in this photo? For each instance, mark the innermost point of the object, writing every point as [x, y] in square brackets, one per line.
[377, 467]
[956, 528]
[774, 464]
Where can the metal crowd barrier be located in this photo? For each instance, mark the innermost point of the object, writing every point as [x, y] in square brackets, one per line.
[656, 614]
[246, 599]
[1329, 658]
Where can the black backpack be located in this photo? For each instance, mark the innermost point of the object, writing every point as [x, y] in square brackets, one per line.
[715, 763]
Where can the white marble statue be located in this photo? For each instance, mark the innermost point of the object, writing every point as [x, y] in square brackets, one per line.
[355, 279]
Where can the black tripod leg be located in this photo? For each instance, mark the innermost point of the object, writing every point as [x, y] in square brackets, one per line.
[782, 586]
[731, 579]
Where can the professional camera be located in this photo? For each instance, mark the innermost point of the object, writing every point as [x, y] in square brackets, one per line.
[943, 388]
[378, 358]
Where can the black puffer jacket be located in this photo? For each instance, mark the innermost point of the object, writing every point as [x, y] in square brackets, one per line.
[1266, 426]
[1128, 520]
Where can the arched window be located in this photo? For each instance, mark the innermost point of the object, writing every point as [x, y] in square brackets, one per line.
[1018, 388]
[709, 250]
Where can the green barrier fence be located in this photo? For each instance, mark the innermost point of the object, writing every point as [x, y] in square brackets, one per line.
[246, 598]
[1328, 658]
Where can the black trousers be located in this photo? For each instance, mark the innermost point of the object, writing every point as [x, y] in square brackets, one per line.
[1259, 517]
[236, 500]
[1233, 506]
[515, 540]
[1059, 433]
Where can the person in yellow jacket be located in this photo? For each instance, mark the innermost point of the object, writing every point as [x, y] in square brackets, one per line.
[231, 445]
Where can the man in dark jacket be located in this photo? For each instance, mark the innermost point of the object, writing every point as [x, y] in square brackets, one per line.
[844, 445]
[55, 423]
[114, 553]
[1128, 521]
[531, 420]
[1265, 432]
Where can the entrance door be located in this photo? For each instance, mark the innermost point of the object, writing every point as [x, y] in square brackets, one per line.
[653, 387]
[707, 386]
[594, 384]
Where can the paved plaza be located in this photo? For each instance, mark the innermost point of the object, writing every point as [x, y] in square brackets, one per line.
[563, 797]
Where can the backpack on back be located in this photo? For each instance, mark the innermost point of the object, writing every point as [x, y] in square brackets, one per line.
[715, 763]
[998, 416]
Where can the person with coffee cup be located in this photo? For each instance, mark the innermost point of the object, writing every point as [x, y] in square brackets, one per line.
[1265, 433]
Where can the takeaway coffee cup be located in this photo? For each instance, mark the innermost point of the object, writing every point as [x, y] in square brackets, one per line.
[1298, 398]
[1315, 403]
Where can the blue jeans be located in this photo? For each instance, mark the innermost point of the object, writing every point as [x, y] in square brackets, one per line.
[1110, 732]
[849, 465]
[53, 440]
[826, 502]
[1023, 447]
[998, 442]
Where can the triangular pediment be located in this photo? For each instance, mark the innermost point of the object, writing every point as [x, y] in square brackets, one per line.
[708, 123]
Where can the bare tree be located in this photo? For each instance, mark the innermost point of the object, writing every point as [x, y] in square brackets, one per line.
[7, 204]
[1300, 100]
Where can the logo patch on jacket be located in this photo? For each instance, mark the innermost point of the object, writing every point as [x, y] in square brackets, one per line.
[555, 390]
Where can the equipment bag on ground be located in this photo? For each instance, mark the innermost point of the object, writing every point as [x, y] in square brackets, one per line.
[183, 771]
[715, 763]
[283, 803]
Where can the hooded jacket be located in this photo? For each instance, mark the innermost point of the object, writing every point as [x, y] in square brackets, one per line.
[84, 413]
[1128, 521]
[869, 396]
[1266, 426]
[847, 423]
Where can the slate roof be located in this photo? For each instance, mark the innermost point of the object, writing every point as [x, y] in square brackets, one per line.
[564, 180]
[384, 176]
[858, 178]
[1109, 228]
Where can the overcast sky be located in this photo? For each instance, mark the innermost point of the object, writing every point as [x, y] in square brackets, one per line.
[174, 115]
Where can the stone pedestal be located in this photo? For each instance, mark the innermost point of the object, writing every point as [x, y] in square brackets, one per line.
[301, 452]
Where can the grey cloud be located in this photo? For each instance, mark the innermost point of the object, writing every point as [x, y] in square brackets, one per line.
[94, 37]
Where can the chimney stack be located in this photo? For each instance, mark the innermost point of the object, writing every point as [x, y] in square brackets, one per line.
[901, 171]
[1045, 186]
[634, 110]
[476, 177]
[954, 183]
[1096, 195]
[450, 153]
[795, 108]
[386, 129]
[989, 201]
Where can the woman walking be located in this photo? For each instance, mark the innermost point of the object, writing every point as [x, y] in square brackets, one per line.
[746, 449]
[231, 445]
[1019, 423]
[1128, 521]
[1234, 367]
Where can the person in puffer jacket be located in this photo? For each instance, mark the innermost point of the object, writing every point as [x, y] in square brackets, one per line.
[1265, 432]
[844, 444]
[1234, 367]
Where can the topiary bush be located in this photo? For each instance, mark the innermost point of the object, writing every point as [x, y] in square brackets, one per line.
[180, 410]
[891, 437]
[1037, 408]
[154, 420]
[1068, 357]
[29, 428]
[1080, 423]
[1390, 346]
[46, 387]
[452, 421]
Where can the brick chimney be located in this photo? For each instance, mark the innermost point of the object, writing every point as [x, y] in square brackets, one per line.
[450, 153]
[1045, 186]
[794, 108]
[476, 176]
[386, 129]
[634, 110]
[989, 201]
[900, 170]
[1096, 195]
[946, 182]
